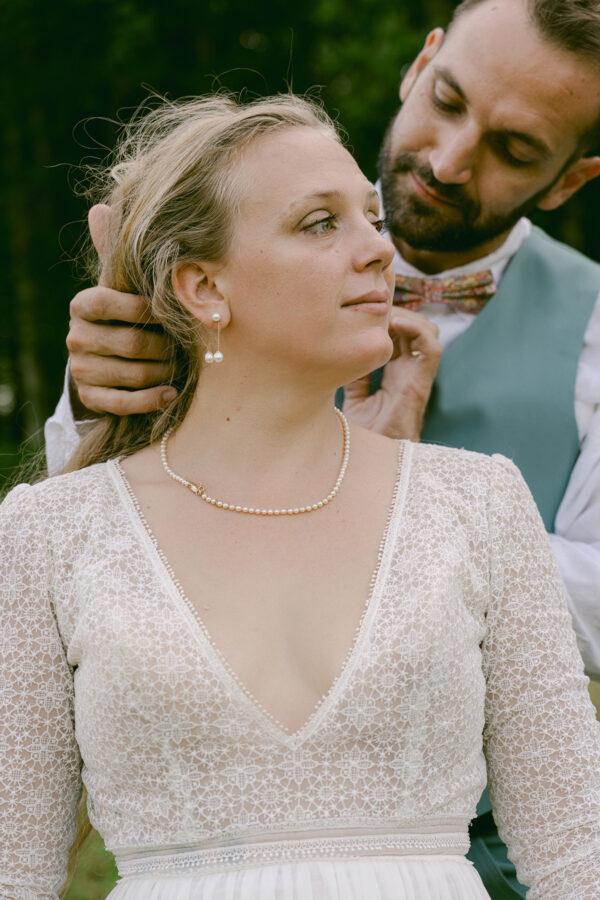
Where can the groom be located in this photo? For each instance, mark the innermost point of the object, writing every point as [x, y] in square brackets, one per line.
[499, 116]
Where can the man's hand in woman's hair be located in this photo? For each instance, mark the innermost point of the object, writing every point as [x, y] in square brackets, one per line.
[116, 355]
[117, 352]
[397, 409]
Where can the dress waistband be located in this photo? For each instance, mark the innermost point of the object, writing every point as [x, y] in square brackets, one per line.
[272, 850]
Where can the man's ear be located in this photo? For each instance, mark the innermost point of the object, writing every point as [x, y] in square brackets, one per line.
[573, 178]
[194, 286]
[433, 42]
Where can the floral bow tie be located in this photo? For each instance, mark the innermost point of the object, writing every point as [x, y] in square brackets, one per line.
[466, 293]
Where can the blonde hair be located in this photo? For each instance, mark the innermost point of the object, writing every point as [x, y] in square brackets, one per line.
[174, 189]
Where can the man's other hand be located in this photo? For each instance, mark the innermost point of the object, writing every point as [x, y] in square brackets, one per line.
[397, 409]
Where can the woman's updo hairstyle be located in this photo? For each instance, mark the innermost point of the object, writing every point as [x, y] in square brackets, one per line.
[173, 190]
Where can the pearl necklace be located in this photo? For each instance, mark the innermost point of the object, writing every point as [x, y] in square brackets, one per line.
[199, 490]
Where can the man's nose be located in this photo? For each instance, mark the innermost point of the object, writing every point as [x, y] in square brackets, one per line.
[453, 158]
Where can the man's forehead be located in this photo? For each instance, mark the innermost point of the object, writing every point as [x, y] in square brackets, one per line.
[495, 57]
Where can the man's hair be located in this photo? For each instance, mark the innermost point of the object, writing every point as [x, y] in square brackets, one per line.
[571, 25]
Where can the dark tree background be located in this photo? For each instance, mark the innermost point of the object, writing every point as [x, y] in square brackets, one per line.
[69, 61]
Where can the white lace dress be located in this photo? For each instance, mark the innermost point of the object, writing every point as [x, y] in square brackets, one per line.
[465, 645]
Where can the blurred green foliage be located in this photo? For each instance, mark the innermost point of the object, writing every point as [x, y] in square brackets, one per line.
[96, 873]
[71, 65]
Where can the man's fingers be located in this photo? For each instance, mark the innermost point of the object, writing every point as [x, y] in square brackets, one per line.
[124, 403]
[110, 371]
[102, 304]
[414, 335]
[116, 340]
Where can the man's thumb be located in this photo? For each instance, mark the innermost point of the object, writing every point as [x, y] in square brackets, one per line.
[98, 219]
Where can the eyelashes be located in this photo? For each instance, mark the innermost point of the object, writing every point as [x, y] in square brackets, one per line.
[323, 225]
[329, 223]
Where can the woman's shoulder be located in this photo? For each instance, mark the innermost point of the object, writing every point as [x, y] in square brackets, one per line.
[437, 456]
[73, 491]
[464, 472]
[436, 463]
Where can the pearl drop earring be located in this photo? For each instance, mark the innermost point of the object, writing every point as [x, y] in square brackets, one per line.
[217, 356]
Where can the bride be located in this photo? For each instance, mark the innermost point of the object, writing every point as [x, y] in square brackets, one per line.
[278, 650]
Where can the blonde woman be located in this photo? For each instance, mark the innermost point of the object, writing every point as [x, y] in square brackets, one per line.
[275, 647]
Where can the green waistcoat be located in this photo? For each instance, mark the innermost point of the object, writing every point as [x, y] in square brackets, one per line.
[507, 384]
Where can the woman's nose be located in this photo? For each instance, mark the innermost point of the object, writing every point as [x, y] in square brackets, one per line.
[374, 248]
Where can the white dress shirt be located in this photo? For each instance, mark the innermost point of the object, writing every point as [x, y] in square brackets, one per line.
[576, 541]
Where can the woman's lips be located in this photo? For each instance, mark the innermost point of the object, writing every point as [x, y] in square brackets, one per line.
[373, 302]
[430, 195]
[376, 306]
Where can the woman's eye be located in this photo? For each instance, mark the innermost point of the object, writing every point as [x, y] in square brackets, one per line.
[321, 226]
[329, 223]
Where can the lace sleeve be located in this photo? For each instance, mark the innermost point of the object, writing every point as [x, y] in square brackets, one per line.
[541, 738]
[39, 760]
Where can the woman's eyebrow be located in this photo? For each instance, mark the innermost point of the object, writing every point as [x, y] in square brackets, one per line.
[315, 195]
[327, 195]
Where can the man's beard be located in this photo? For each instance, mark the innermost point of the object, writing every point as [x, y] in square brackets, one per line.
[424, 226]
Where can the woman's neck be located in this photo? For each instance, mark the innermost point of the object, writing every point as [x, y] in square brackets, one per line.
[274, 446]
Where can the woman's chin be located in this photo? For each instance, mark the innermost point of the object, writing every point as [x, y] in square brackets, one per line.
[370, 358]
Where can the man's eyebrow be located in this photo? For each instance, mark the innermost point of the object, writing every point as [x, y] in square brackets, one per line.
[535, 143]
[444, 73]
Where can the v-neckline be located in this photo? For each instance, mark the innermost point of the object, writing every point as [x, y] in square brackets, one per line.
[220, 663]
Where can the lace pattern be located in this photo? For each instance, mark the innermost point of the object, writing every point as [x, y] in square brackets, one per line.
[467, 635]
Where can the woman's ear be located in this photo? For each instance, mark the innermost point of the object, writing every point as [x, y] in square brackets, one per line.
[194, 286]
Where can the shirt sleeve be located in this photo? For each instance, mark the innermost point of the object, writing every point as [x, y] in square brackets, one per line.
[576, 538]
[62, 433]
[541, 737]
[39, 759]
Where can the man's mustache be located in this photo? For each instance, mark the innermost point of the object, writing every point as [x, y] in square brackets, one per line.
[453, 193]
